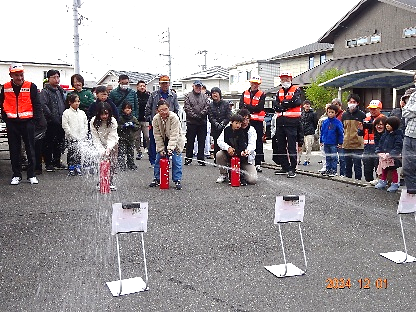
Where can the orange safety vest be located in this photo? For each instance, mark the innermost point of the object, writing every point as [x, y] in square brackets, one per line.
[18, 107]
[294, 112]
[369, 137]
[254, 101]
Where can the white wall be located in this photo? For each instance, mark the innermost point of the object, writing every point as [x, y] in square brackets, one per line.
[35, 73]
[240, 83]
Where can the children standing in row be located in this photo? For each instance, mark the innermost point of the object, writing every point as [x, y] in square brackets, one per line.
[332, 138]
[104, 137]
[75, 125]
[389, 151]
[127, 128]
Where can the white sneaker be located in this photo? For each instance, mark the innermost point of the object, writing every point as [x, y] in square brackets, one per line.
[374, 182]
[221, 179]
[15, 181]
[113, 187]
[33, 180]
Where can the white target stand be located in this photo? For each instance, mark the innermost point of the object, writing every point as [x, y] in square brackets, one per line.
[289, 209]
[407, 205]
[129, 218]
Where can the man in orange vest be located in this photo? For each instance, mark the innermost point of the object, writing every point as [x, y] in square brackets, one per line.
[20, 105]
[288, 112]
[365, 129]
[253, 100]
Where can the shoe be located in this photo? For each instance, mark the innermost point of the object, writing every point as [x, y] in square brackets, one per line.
[411, 191]
[342, 176]
[78, 170]
[258, 168]
[381, 185]
[243, 182]
[393, 187]
[322, 171]
[71, 169]
[320, 162]
[331, 174]
[201, 163]
[178, 185]
[221, 179]
[50, 168]
[113, 187]
[291, 174]
[33, 180]
[188, 162]
[374, 182]
[139, 156]
[280, 171]
[209, 157]
[15, 180]
[154, 183]
[306, 163]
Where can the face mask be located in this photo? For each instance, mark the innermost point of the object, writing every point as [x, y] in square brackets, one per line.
[351, 107]
[124, 87]
[286, 85]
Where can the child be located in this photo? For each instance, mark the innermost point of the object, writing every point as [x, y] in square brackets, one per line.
[232, 142]
[102, 96]
[127, 126]
[318, 135]
[332, 137]
[104, 136]
[169, 140]
[75, 125]
[389, 151]
[378, 130]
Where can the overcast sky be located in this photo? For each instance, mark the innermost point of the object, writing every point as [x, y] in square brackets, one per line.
[128, 34]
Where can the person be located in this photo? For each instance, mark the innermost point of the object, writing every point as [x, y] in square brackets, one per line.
[389, 151]
[409, 143]
[398, 110]
[379, 126]
[288, 112]
[128, 125]
[309, 122]
[353, 143]
[332, 138]
[196, 109]
[102, 96]
[53, 104]
[142, 97]
[20, 106]
[253, 100]
[75, 125]
[86, 97]
[151, 109]
[341, 157]
[219, 113]
[321, 119]
[365, 129]
[40, 131]
[105, 137]
[169, 142]
[124, 93]
[248, 168]
[109, 88]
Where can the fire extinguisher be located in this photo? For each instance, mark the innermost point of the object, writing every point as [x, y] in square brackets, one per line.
[105, 177]
[164, 172]
[235, 171]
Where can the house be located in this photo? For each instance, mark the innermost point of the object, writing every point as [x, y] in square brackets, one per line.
[111, 78]
[373, 35]
[36, 72]
[216, 76]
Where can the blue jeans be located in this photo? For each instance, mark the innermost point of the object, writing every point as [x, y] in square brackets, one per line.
[151, 149]
[353, 157]
[331, 157]
[341, 158]
[176, 167]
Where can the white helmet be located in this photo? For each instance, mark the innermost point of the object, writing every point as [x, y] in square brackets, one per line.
[256, 79]
[287, 74]
[15, 67]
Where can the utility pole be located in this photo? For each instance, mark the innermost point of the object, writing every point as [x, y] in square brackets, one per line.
[167, 37]
[76, 5]
[204, 67]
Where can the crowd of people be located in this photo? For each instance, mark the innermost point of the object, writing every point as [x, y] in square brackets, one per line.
[120, 122]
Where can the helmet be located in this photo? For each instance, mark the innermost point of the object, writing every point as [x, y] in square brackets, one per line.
[256, 79]
[288, 74]
[375, 104]
[15, 67]
[164, 78]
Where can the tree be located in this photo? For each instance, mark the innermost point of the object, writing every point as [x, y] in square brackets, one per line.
[323, 95]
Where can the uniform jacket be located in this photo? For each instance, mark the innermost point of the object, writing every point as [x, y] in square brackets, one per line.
[350, 121]
[291, 103]
[75, 124]
[168, 131]
[254, 102]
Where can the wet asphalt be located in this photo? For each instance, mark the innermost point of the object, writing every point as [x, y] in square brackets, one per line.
[206, 245]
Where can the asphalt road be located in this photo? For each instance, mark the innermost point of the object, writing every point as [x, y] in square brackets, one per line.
[206, 245]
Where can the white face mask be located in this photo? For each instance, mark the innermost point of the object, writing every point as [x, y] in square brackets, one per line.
[124, 87]
[286, 85]
[351, 107]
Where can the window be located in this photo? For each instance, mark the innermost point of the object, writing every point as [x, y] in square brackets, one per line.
[409, 32]
[248, 75]
[232, 79]
[45, 74]
[362, 41]
[375, 38]
[310, 61]
[322, 58]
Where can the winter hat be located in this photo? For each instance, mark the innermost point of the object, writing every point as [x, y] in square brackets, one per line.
[216, 89]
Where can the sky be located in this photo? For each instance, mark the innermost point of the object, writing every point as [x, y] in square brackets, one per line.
[129, 35]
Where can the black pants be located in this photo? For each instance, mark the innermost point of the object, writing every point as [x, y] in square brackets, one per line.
[73, 154]
[126, 149]
[200, 131]
[286, 137]
[38, 154]
[16, 132]
[53, 143]
[258, 126]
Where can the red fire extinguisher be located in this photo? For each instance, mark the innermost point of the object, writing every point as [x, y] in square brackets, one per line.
[235, 171]
[164, 173]
[105, 177]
